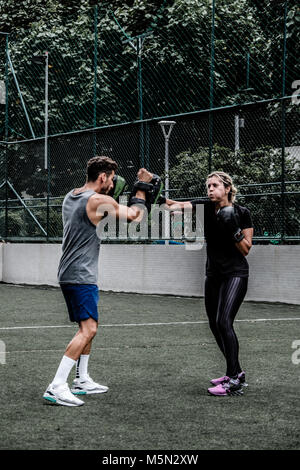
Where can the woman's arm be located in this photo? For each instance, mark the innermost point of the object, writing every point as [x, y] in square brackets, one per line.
[171, 205]
[245, 244]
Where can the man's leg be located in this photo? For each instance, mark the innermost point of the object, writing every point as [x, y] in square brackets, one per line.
[83, 384]
[58, 391]
[83, 338]
[81, 300]
[81, 342]
[83, 361]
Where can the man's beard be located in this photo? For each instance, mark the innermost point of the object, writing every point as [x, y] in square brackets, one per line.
[104, 191]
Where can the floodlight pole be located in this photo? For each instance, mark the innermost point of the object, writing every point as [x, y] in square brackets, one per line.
[248, 72]
[238, 124]
[169, 125]
[236, 134]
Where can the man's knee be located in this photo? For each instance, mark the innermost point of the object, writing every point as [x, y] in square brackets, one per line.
[93, 329]
[89, 328]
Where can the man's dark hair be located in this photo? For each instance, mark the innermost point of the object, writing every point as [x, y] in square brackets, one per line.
[97, 165]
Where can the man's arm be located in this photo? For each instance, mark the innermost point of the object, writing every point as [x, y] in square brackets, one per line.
[132, 213]
[101, 205]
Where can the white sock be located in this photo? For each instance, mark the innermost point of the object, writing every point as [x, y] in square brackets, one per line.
[63, 371]
[82, 366]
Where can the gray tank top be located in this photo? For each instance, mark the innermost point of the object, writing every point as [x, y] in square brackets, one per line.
[80, 246]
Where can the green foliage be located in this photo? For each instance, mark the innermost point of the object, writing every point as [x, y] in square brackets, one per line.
[175, 61]
[190, 169]
[98, 83]
[248, 170]
[20, 222]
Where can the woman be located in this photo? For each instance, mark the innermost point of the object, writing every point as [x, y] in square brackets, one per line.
[228, 232]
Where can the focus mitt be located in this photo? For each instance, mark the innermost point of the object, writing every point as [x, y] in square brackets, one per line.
[152, 190]
[229, 219]
[119, 187]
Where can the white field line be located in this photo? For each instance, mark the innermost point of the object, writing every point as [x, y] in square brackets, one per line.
[122, 325]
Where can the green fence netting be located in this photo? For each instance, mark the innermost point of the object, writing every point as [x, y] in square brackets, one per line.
[247, 142]
[226, 71]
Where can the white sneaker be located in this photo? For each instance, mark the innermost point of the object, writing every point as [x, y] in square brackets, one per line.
[86, 386]
[61, 395]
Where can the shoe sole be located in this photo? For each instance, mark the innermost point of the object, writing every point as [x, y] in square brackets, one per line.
[90, 392]
[56, 401]
[231, 394]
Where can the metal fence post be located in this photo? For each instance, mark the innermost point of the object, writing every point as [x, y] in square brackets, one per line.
[212, 82]
[138, 47]
[169, 126]
[6, 137]
[95, 74]
[46, 107]
[47, 163]
[283, 124]
[140, 98]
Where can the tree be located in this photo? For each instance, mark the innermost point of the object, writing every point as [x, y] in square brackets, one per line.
[190, 170]
[175, 60]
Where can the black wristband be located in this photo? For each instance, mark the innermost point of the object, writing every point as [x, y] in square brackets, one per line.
[142, 186]
[238, 236]
[161, 200]
[135, 201]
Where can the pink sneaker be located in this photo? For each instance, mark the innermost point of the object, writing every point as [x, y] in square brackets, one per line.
[220, 380]
[229, 388]
[225, 378]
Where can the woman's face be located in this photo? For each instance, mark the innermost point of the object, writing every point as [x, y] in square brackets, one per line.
[216, 190]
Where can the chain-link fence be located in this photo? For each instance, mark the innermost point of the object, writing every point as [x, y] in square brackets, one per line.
[103, 70]
[257, 144]
[94, 81]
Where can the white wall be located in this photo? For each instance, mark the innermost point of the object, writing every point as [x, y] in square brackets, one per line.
[152, 269]
[1, 261]
[158, 269]
[30, 263]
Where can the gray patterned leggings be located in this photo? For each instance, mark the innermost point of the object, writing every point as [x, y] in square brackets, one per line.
[223, 298]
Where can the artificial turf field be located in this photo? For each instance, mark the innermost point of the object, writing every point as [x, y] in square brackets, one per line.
[156, 354]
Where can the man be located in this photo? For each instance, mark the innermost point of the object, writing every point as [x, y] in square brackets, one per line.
[83, 208]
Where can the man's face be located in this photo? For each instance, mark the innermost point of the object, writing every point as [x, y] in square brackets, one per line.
[106, 182]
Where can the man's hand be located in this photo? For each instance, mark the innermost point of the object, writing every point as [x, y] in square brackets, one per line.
[146, 190]
[138, 193]
[144, 175]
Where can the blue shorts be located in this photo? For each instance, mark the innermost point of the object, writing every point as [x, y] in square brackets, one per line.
[82, 301]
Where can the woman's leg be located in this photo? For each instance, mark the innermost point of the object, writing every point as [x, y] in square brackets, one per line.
[231, 295]
[212, 291]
